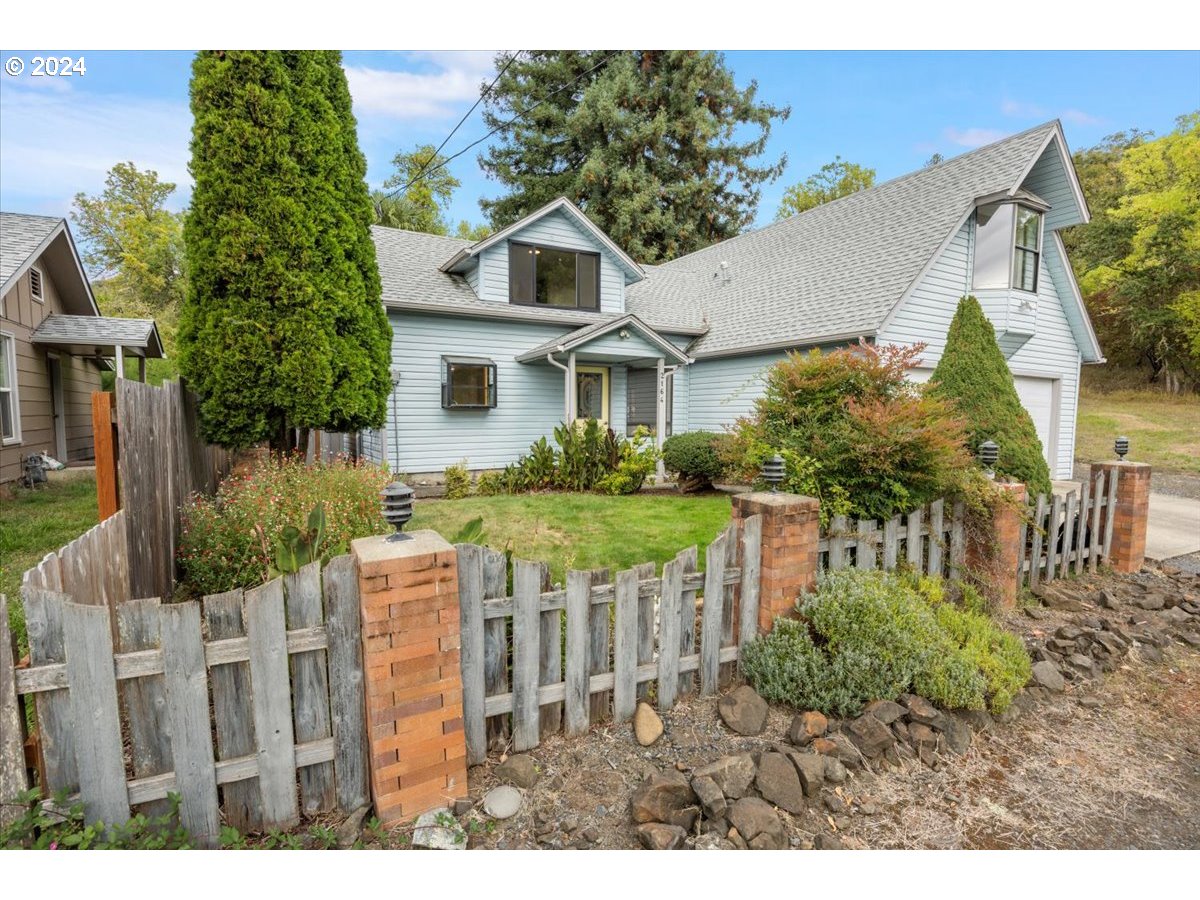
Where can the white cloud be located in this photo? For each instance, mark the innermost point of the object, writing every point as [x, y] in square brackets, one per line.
[452, 78]
[1021, 110]
[1078, 117]
[973, 137]
[57, 143]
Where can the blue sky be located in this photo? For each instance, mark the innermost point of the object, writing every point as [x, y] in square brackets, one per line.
[887, 110]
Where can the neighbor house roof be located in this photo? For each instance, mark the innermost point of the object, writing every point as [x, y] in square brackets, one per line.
[84, 335]
[836, 271]
[25, 238]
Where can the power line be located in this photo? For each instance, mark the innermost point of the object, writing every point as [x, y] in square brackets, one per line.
[503, 125]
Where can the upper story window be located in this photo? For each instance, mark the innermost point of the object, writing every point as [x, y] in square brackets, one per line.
[549, 276]
[35, 284]
[1027, 248]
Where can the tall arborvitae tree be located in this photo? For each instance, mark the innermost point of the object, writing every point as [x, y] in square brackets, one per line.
[974, 376]
[282, 327]
[658, 147]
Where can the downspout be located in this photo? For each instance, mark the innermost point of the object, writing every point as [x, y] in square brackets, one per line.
[566, 383]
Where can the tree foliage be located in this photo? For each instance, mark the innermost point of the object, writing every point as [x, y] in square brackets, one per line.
[415, 196]
[1138, 260]
[974, 378]
[283, 326]
[836, 179]
[659, 148]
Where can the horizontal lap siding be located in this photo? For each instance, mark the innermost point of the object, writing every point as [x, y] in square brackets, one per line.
[1051, 352]
[80, 379]
[720, 390]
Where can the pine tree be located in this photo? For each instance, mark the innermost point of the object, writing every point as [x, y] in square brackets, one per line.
[651, 144]
[282, 325]
[974, 376]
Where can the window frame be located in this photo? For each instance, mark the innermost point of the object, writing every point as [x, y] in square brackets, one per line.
[1020, 248]
[40, 296]
[10, 359]
[481, 362]
[512, 298]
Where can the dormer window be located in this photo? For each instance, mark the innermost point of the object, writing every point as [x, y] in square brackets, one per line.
[551, 276]
[1027, 249]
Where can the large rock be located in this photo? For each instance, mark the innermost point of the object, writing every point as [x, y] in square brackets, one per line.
[732, 774]
[757, 824]
[779, 783]
[1046, 674]
[744, 711]
[647, 726]
[870, 735]
[518, 769]
[712, 801]
[957, 734]
[807, 727]
[811, 769]
[502, 802]
[438, 830]
[847, 753]
[885, 711]
[350, 829]
[666, 798]
[835, 772]
[657, 836]
[921, 710]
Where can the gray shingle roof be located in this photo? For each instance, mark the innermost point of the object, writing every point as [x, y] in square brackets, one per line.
[101, 331]
[837, 269]
[20, 237]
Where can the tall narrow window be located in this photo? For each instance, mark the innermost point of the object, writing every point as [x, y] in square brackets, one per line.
[550, 276]
[10, 416]
[1027, 250]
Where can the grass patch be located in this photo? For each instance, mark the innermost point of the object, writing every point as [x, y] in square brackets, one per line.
[1163, 430]
[36, 522]
[584, 531]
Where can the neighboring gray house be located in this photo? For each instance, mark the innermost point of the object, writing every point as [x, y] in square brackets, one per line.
[53, 344]
[495, 343]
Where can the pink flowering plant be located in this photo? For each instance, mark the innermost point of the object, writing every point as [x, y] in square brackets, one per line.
[229, 540]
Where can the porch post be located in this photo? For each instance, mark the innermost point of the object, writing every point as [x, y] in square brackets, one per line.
[142, 369]
[120, 361]
[572, 400]
[660, 417]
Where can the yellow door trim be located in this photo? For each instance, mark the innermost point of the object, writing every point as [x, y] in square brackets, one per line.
[605, 374]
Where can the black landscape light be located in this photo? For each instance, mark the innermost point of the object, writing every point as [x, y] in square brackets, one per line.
[773, 471]
[397, 508]
[1121, 446]
[989, 453]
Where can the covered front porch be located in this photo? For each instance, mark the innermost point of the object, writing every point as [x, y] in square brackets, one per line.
[620, 372]
[101, 338]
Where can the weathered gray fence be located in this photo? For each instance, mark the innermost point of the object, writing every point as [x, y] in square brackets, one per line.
[931, 539]
[621, 636]
[161, 461]
[125, 720]
[1068, 532]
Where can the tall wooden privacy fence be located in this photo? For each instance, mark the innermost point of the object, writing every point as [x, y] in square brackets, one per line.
[274, 673]
[930, 539]
[622, 636]
[1069, 532]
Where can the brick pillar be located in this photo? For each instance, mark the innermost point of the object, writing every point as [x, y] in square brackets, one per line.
[790, 531]
[411, 640]
[995, 564]
[1133, 512]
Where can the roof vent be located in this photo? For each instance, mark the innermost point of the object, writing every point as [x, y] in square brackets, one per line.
[723, 272]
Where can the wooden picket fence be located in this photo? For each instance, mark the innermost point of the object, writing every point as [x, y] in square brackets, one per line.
[927, 539]
[124, 721]
[1068, 533]
[621, 637]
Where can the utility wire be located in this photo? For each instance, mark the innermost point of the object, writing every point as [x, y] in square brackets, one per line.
[502, 125]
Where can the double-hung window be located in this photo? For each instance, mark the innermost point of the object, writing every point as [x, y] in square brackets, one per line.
[1027, 250]
[550, 276]
[468, 382]
[10, 414]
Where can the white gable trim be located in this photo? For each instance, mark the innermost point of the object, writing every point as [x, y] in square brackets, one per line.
[589, 333]
[59, 229]
[566, 206]
[1060, 142]
[1095, 355]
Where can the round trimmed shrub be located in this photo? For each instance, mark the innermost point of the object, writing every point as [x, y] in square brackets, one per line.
[693, 457]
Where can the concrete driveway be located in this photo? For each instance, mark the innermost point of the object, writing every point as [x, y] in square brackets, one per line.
[1174, 527]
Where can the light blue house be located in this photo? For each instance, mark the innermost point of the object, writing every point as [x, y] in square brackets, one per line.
[497, 342]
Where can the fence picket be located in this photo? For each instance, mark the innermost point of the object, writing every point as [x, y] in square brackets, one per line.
[470, 607]
[1068, 538]
[187, 710]
[1039, 533]
[751, 575]
[647, 607]
[95, 711]
[1056, 508]
[550, 660]
[495, 640]
[579, 593]
[527, 585]
[837, 543]
[958, 538]
[687, 619]
[625, 635]
[13, 780]
[310, 686]
[347, 704]
[1097, 541]
[710, 623]
[233, 711]
[1110, 512]
[891, 535]
[144, 698]
[913, 542]
[276, 743]
[668, 636]
[1081, 526]
[56, 730]
[864, 552]
[729, 600]
[599, 644]
[936, 537]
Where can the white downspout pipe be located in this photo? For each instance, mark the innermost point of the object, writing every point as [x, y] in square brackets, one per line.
[566, 382]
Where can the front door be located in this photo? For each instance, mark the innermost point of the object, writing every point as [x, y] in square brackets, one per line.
[592, 393]
[58, 407]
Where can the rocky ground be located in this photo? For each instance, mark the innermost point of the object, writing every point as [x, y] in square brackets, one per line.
[1101, 751]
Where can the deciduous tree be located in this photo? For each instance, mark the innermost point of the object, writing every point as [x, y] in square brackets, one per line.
[836, 179]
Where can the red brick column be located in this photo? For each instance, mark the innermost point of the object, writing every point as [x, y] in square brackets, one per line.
[790, 532]
[1132, 513]
[994, 562]
[411, 639]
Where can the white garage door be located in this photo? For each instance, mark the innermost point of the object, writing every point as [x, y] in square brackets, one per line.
[1037, 396]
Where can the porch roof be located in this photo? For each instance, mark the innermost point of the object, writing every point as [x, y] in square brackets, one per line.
[625, 328]
[99, 335]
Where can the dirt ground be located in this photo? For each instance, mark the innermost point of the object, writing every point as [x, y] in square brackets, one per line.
[1111, 763]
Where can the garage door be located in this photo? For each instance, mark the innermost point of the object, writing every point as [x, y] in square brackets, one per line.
[1037, 396]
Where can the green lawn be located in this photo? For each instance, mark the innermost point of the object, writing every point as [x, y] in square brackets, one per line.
[1163, 430]
[36, 522]
[584, 531]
